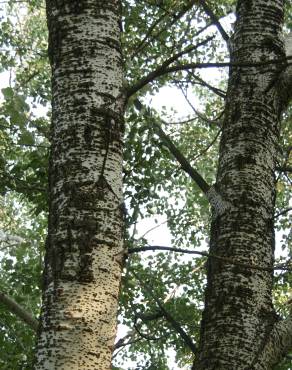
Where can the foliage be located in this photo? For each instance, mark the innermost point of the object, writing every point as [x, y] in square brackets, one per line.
[155, 186]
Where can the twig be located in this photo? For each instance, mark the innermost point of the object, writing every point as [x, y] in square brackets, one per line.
[218, 204]
[200, 115]
[143, 335]
[282, 266]
[191, 66]
[19, 311]
[185, 337]
[172, 293]
[283, 212]
[151, 229]
[147, 38]
[208, 146]
[214, 19]
[216, 90]
[175, 17]
[284, 168]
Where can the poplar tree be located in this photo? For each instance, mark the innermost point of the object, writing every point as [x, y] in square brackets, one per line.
[84, 248]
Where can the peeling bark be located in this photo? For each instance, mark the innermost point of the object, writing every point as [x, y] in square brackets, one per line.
[239, 319]
[84, 251]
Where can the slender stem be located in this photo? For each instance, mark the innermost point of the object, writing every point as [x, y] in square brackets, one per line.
[19, 311]
[206, 254]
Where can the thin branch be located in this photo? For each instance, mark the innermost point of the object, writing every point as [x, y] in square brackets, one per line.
[19, 311]
[215, 121]
[219, 205]
[183, 122]
[22, 183]
[32, 145]
[150, 316]
[27, 80]
[283, 212]
[191, 66]
[208, 146]
[215, 90]
[281, 266]
[152, 228]
[122, 343]
[200, 115]
[177, 154]
[147, 38]
[143, 335]
[175, 17]
[174, 290]
[163, 67]
[187, 50]
[214, 20]
[185, 165]
[185, 337]
[284, 168]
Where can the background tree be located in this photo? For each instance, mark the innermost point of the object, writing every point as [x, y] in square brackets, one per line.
[160, 43]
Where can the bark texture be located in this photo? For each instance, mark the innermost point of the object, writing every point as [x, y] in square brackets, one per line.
[84, 246]
[239, 319]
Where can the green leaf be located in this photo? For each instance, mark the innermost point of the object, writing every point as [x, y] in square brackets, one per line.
[8, 93]
[26, 138]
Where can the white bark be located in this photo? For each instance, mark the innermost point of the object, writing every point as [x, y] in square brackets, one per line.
[278, 344]
[84, 247]
[240, 329]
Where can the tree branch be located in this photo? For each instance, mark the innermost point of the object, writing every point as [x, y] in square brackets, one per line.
[200, 115]
[219, 205]
[283, 212]
[278, 345]
[208, 146]
[176, 153]
[215, 90]
[147, 38]
[190, 66]
[284, 168]
[19, 311]
[185, 337]
[175, 17]
[209, 255]
[185, 165]
[214, 19]
[160, 70]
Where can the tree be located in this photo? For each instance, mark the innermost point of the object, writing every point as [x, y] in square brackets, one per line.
[84, 249]
[238, 299]
[164, 47]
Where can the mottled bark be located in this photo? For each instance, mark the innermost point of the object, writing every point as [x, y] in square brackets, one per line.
[84, 250]
[239, 320]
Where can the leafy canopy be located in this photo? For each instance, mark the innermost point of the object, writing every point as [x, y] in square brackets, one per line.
[156, 35]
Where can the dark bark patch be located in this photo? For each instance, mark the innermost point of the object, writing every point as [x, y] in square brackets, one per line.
[242, 161]
[85, 268]
[88, 135]
[236, 114]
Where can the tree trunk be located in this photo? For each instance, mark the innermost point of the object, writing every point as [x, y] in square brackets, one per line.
[84, 246]
[239, 319]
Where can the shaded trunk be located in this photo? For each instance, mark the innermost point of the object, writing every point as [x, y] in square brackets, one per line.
[84, 246]
[239, 316]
